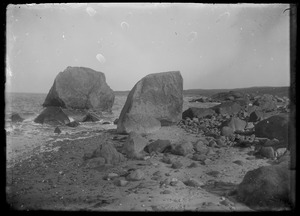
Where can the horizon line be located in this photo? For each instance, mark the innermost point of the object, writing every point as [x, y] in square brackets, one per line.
[183, 89]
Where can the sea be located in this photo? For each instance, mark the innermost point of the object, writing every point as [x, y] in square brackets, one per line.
[24, 139]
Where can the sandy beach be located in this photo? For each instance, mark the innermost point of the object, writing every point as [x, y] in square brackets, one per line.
[62, 180]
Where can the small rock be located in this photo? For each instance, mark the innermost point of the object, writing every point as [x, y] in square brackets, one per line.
[166, 160]
[73, 124]
[120, 182]
[267, 152]
[239, 162]
[250, 158]
[193, 165]
[15, 117]
[200, 147]
[272, 142]
[226, 131]
[57, 130]
[215, 174]
[174, 181]
[280, 152]
[158, 146]
[226, 202]
[136, 175]
[198, 157]
[166, 192]
[206, 161]
[210, 152]
[193, 183]
[112, 175]
[213, 144]
[220, 142]
[183, 148]
[176, 165]
[104, 123]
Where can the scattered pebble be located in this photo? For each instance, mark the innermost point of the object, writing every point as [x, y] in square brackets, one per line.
[166, 192]
[239, 162]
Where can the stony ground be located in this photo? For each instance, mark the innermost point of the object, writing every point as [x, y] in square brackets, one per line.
[62, 180]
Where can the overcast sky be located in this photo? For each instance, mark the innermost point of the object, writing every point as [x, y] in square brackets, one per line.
[213, 46]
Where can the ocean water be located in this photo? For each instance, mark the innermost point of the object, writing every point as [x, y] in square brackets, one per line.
[27, 138]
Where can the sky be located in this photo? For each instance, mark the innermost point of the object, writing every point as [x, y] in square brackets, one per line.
[214, 46]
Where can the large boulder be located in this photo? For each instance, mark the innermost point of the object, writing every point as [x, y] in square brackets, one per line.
[266, 103]
[229, 107]
[235, 124]
[80, 88]
[197, 112]
[273, 127]
[231, 95]
[134, 146]
[266, 188]
[52, 116]
[156, 97]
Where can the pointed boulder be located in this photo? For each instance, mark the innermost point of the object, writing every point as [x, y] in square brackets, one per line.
[157, 99]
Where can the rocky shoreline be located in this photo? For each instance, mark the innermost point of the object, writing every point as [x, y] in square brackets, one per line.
[66, 180]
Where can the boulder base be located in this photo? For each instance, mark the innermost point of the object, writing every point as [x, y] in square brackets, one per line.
[138, 123]
[134, 146]
[53, 116]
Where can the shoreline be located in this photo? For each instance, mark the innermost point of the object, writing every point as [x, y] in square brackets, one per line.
[61, 180]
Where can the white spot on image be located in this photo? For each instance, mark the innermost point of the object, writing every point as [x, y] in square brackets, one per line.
[91, 11]
[124, 25]
[223, 15]
[14, 37]
[272, 59]
[192, 36]
[129, 15]
[100, 58]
